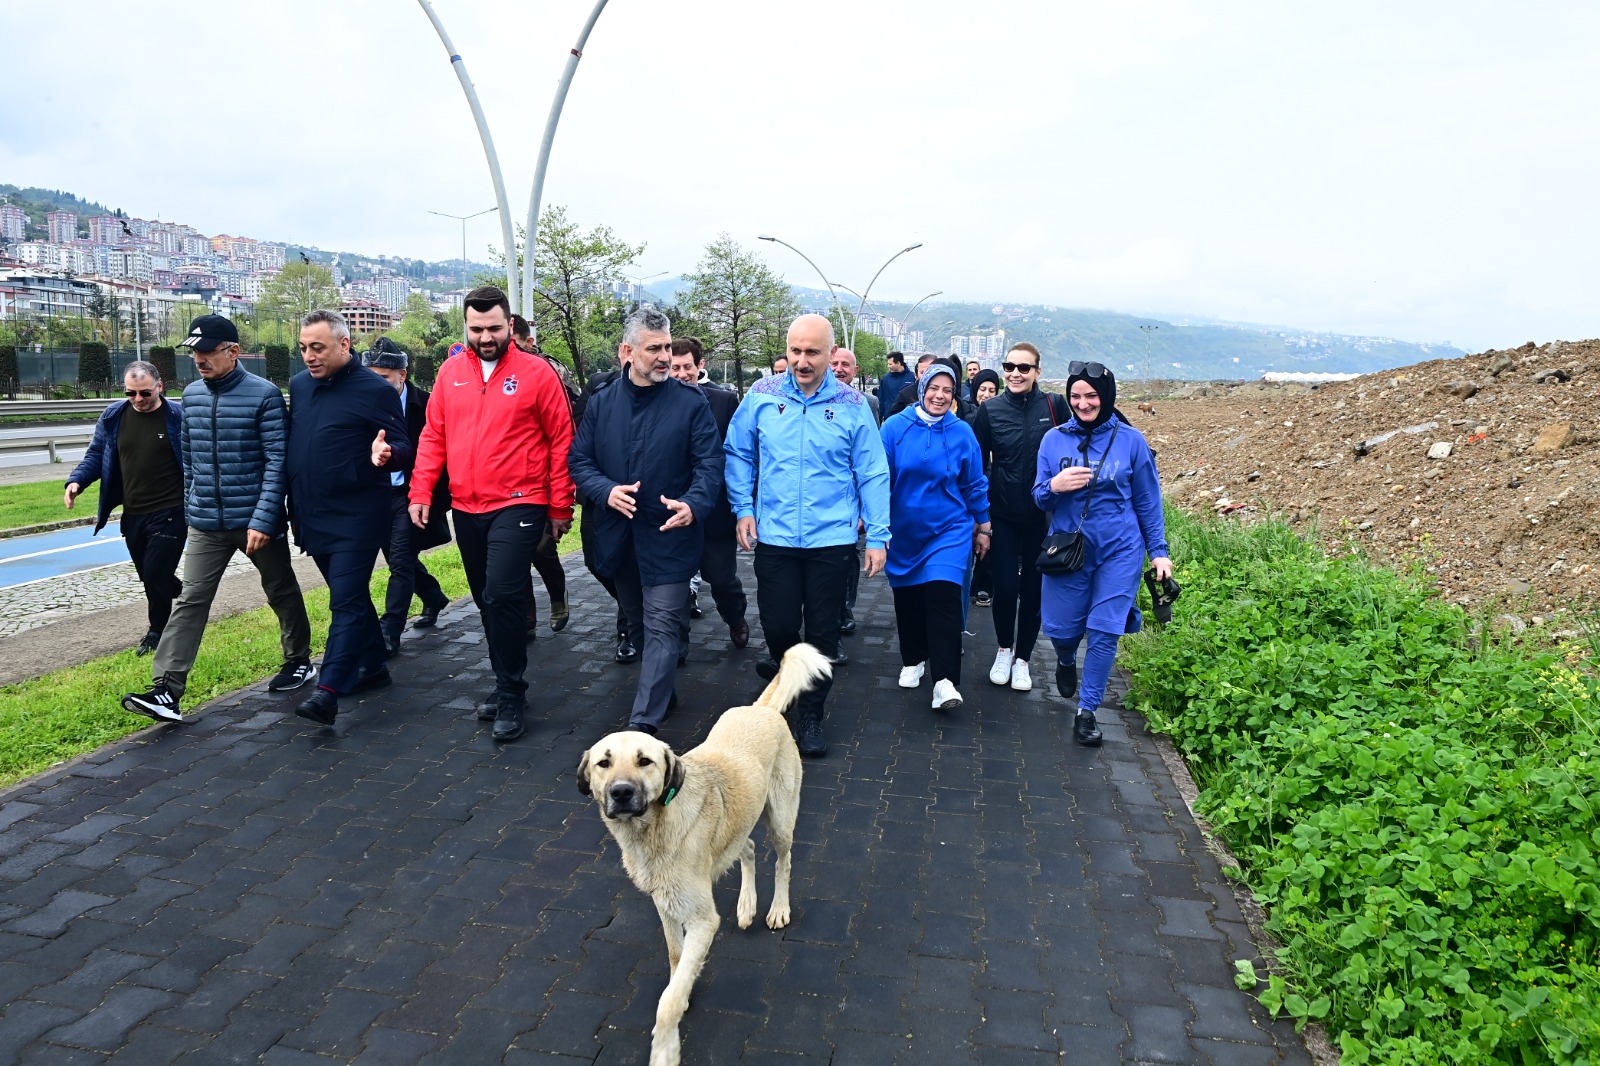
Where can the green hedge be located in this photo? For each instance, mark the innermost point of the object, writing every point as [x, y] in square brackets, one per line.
[1414, 802]
[277, 356]
[94, 365]
[166, 361]
[9, 371]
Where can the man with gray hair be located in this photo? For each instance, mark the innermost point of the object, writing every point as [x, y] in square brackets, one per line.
[649, 450]
[235, 438]
[345, 428]
[137, 455]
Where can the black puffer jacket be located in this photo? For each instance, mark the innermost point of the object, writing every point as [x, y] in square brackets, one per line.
[235, 442]
[1009, 429]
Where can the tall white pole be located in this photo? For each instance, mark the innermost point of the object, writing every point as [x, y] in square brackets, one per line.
[834, 292]
[531, 234]
[868, 291]
[507, 230]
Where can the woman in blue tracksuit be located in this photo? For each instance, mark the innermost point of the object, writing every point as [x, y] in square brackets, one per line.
[1122, 525]
[938, 515]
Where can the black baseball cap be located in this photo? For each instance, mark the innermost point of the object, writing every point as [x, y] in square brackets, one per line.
[208, 332]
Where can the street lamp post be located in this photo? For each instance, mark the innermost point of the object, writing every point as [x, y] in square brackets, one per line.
[514, 290]
[463, 220]
[868, 293]
[531, 234]
[828, 284]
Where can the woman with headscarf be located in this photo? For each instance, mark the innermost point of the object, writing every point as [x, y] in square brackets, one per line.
[1096, 473]
[938, 515]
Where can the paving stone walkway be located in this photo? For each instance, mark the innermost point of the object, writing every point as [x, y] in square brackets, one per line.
[968, 888]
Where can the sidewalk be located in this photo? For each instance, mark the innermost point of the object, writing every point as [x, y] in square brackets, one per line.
[968, 888]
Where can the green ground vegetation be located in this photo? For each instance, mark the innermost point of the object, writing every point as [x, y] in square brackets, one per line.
[1412, 796]
[67, 713]
[37, 502]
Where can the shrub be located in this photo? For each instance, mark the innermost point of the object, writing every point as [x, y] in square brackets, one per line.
[9, 371]
[1414, 803]
[166, 361]
[94, 365]
[277, 356]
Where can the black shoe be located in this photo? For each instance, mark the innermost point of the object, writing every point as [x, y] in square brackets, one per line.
[291, 675]
[1067, 680]
[1085, 732]
[767, 669]
[533, 626]
[391, 646]
[320, 707]
[508, 717]
[429, 616]
[683, 659]
[626, 652]
[379, 678]
[148, 644]
[811, 742]
[694, 606]
[984, 599]
[560, 615]
[841, 657]
[159, 703]
[642, 727]
[848, 624]
[739, 634]
[488, 709]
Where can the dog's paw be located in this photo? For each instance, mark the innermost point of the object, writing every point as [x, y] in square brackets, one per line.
[665, 1047]
[777, 917]
[746, 914]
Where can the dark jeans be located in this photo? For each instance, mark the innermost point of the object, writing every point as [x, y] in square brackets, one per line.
[656, 615]
[496, 552]
[1013, 552]
[719, 565]
[928, 617]
[355, 643]
[155, 544]
[407, 576]
[801, 591]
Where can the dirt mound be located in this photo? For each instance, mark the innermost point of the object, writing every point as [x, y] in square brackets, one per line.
[1483, 470]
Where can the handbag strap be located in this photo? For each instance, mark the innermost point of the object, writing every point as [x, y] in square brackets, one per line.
[1089, 491]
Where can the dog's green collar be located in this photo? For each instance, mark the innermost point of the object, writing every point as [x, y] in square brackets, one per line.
[668, 797]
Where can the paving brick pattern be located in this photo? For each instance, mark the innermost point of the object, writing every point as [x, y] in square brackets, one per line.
[969, 887]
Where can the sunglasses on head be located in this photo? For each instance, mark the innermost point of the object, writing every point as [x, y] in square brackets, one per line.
[143, 394]
[1017, 368]
[1092, 370]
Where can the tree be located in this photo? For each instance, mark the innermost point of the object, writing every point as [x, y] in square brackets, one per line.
[742, 308]
[297, 289]
[101, 305]
[94, 365]
[9, 371]
[571, 297]
[278, 369]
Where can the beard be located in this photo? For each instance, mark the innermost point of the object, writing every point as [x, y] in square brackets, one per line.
[490, 351]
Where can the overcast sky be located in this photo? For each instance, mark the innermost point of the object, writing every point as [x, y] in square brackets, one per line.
[1426, 170]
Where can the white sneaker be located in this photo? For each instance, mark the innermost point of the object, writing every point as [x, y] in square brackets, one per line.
[1000, 672]
[911, 676]
[945, 695]
[1021, 679]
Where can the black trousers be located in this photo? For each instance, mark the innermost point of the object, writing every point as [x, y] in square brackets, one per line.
[407, 576]
[496, 552]
[547, 561]
[1012, 553]
[605, 582]
[800, 595]
[355, 643]
[928, 617]
[719, 565]
[155, 544]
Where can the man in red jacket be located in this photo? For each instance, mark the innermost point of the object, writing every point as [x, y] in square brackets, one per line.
[499, 421]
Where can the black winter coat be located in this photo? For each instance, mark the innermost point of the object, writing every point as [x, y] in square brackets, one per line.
[438, 529]
[1009, 429]
[666, 438]
[339, 500]
[724, 402]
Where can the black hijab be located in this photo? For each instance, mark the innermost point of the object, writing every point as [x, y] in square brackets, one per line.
[1106, 387]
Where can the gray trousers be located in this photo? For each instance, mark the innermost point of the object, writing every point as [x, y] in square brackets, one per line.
[205, 559]
[656, 613]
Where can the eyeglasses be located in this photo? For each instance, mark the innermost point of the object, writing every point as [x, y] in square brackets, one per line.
[1091, 370]
[143, 394]
[1017, 368]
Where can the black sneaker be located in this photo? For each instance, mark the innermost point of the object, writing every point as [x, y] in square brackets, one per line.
[159, 703]
[379, 678]
[1085, 732]
[694, 605]
[508, 717]
[321, 707]
[291, 675]
[984, 599]
[1067, 679]
[560, 614]
[811, 741]
[488, 709]
[148, 644]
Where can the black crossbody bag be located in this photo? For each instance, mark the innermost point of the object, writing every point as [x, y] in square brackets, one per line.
[1063, 553]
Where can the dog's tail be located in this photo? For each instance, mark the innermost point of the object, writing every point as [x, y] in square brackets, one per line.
[802, 667]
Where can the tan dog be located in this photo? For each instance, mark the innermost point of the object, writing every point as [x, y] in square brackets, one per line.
[682, 821]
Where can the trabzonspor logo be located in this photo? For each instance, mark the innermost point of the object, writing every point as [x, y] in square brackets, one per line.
[510, 386]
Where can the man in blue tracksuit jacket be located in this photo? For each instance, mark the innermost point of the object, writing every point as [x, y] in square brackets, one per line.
[812, 444]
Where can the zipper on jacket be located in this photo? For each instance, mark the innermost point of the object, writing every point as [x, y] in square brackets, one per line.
[216, 465]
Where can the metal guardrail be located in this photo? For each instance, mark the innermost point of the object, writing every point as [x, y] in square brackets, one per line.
[54, 407]
[46, 443]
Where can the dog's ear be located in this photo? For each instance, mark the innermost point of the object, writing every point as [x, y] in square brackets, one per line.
[583, 775]
[674, 780]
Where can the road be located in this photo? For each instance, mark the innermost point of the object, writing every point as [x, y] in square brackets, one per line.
[64, 551]
[65, 429]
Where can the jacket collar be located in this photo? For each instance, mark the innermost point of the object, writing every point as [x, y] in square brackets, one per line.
[228, 380]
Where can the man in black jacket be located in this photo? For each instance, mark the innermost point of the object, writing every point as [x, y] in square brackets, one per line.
[345, 428]
[649, 453]
[407, 574]
[719, 560]
[1009, 429]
